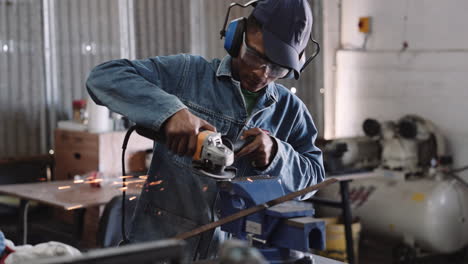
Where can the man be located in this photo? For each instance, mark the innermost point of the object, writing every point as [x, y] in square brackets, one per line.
[180, 95]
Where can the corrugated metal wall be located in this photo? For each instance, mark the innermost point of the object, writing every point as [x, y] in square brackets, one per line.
[162, 27]
[22, 82]
[48, 47]
[210, 15]
[86, 33]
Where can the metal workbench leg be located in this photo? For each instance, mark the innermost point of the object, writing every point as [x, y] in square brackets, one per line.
[23, 221]
[347, 220]
[79, 215]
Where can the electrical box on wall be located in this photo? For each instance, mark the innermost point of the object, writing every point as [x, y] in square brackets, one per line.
[364, 24]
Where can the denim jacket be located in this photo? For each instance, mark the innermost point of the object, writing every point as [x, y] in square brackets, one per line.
[176, 198]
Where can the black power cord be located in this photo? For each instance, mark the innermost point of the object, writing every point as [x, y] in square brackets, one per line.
[453, 173]
[125, 239]
[459, 169]
[458, 178]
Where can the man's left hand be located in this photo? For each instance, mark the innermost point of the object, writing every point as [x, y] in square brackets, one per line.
[261, 150]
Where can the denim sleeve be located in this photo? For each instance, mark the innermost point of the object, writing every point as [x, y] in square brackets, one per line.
[2, 243]
[142, 90]
[298, 162]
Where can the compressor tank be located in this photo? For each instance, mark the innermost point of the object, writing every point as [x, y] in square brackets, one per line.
[430, 213]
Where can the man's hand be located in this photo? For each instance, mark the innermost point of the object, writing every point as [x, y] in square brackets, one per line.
[261, 150]
[181, 132]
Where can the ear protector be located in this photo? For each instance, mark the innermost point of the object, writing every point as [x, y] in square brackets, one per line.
[233, 36]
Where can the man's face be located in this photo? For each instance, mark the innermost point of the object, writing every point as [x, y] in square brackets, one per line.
[254, 69]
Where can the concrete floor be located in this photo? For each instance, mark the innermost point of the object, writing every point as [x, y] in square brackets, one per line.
[379, 250]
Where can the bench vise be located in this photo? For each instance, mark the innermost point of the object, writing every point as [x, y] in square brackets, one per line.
[278, 231]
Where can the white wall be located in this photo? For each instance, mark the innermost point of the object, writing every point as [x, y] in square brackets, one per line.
[385, 81]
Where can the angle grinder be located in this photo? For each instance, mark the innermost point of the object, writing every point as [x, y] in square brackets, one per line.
[212, 158]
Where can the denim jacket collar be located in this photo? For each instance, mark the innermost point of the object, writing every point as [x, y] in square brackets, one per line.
[224, 69]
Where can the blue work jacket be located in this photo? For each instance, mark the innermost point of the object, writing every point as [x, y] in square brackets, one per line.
[176, 199]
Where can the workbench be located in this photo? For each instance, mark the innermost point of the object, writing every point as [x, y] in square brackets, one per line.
[66, 195]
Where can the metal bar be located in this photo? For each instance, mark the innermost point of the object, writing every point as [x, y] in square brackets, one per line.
[4, 77]
[50, 68]
[23, 221]
[347, 220]
[13, 75]
[254, 209]
[79, 215]
[21, 101]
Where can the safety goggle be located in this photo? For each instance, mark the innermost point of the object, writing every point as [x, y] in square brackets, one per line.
[258, 61]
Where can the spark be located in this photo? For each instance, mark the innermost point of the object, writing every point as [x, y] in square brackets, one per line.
[127, 183]
[162, 189]
[156, 182]
[205, 188]
[250, 180]
[144, 177]
[139, 185]
[64, 187]
[125, 177]
[132, 198]
[74, 207]
[159, 212]
[123, 188]
[94, 181]
[78, 181]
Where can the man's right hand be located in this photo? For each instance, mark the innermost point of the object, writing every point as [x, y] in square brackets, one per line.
[181, 130]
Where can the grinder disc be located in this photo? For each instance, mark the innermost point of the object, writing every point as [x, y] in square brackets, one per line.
[226, 175]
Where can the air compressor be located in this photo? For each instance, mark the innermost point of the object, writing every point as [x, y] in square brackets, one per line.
[413, 195]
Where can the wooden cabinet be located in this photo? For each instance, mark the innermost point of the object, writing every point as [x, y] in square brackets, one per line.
[79, 153]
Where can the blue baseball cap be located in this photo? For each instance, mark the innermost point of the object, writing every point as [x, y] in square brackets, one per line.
[286, 28]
